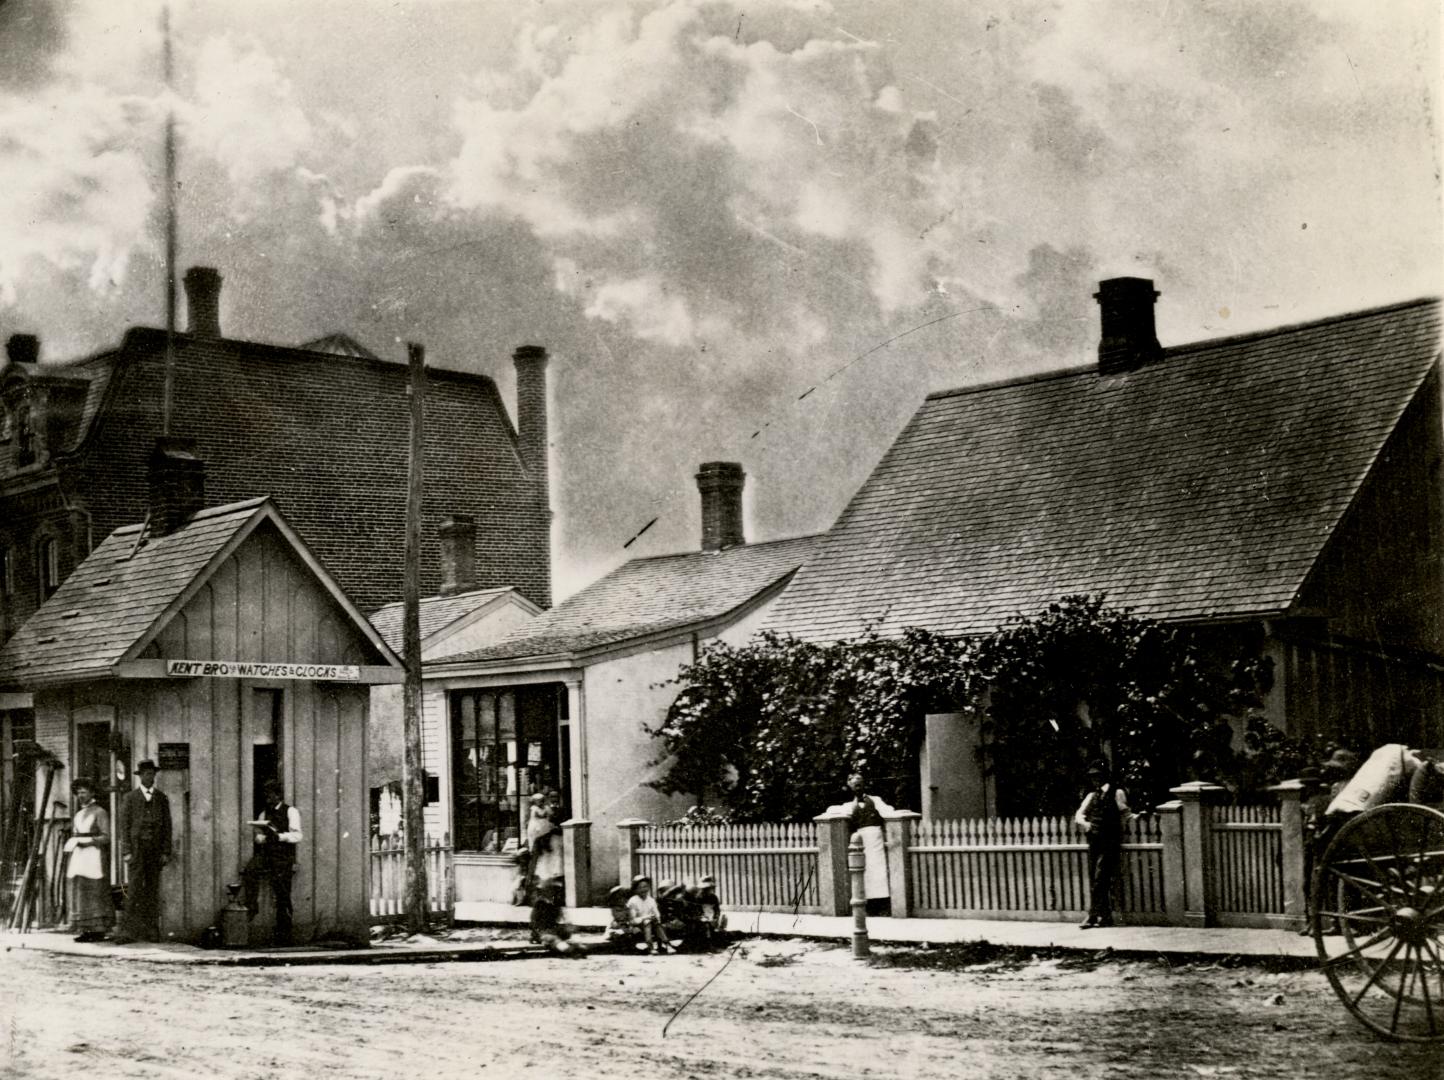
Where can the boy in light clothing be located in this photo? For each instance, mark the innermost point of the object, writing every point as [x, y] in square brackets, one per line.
[647, 916]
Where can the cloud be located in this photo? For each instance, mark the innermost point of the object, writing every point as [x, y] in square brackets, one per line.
[31, 34]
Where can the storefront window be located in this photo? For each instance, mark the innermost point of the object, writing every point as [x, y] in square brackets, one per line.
[504, 749]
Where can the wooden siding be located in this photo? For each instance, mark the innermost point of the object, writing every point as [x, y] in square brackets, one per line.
[263, 603]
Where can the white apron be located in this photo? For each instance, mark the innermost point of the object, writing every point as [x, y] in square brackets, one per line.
[874, 871]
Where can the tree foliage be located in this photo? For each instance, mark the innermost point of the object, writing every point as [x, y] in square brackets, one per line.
[772, 727]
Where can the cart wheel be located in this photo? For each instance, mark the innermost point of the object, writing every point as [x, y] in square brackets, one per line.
[1378, 920]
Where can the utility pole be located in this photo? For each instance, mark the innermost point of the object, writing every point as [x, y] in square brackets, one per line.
[170, 224]
[417, 906]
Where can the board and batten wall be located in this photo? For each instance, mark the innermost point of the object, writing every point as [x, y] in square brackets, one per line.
[262, 604]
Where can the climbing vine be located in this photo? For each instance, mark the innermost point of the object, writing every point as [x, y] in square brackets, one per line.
[771, 728]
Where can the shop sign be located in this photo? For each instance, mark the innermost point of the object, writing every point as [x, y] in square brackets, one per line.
[245, 669]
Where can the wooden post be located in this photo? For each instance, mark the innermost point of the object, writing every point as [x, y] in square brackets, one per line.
[416, 903]
[832, 885]
[1197, 850]
[577, 861]
[1170, 827]
[856, 871]
[1291, 851]
[899, 831]
[627, 863]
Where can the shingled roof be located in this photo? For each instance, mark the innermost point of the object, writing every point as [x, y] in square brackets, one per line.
[437, 613]
[125, 588]
[651, 596]
[1202, 486]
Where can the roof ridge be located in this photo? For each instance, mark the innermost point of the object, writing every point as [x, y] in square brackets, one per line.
[1188, 347]
[721, 551]
[449, 596]
[201, 514]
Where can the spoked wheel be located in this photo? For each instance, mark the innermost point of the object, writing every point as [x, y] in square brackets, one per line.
[1378, 920]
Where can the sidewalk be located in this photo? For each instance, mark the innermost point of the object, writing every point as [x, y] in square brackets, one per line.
[1124, 940]
[1174, 942]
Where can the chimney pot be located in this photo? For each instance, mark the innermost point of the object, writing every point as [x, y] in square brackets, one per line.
[177, 483]
[203, 299]
[458, 554]
[720, 483]
[23, 349]
[1128, 339]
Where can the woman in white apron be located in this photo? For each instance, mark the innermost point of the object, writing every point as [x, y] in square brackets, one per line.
[866, 814]
[92, 911]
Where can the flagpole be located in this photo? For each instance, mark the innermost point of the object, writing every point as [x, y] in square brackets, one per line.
[170, 224]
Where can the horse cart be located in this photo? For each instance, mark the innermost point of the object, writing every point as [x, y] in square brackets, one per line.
[1378, 919]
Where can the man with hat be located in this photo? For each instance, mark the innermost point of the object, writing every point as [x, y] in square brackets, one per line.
[1102, 815]
[145, 812]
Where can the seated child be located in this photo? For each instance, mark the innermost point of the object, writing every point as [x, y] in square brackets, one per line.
[620, 928]
[675, 909]
[710, 905]
[647, 916]
[547, 926]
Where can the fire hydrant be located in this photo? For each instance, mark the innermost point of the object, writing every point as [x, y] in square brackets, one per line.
[856, 862]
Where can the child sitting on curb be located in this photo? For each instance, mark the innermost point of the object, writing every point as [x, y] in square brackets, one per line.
[645, 915]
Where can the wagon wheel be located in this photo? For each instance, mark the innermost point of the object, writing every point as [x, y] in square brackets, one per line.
[1381, 882]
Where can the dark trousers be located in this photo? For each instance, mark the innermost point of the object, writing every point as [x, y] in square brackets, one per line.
[1103, 855]
[278, 875]
[142, 897]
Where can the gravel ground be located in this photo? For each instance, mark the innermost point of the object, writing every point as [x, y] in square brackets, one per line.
[778, 1009]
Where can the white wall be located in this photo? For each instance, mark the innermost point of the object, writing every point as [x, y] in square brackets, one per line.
[484, 631]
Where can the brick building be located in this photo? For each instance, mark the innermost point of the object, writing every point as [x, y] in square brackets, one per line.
[321, 428]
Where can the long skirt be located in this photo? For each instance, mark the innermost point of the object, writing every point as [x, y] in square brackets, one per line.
[874, 870]
[91, 908]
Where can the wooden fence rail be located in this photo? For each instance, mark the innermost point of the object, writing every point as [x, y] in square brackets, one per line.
[388, 877]
[761, 867]
[1026, 868]
[1196, 861]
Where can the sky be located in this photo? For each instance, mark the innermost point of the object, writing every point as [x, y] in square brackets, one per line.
[745, 232]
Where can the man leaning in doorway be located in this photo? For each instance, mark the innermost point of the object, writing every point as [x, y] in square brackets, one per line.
[147, 849]
[278, 831]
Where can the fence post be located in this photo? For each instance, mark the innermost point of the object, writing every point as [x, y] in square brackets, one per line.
[448, 867]
[577, 861]
[899, 832]
[833, 890]
[1170, 829]
[627, 865]
[1197, 850]
[1291, 850]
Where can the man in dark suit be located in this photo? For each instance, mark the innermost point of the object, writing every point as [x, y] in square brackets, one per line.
[145, 813]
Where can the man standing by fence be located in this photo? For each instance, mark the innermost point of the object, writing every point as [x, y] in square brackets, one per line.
[1102, 815]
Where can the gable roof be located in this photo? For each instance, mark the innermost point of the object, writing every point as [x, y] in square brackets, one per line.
[650, 596]
[439, 612]
[339, 344]
[1202, 486]
[124, 593]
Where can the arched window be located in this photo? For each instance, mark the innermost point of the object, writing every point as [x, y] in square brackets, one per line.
[24, 436]
[49, 558]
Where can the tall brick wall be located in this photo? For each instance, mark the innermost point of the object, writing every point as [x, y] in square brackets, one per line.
[326, 436]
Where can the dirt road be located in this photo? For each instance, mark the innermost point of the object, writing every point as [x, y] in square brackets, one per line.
[778, 1010]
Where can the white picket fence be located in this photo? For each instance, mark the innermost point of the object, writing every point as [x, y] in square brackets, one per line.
[762, 867]
[388, 876]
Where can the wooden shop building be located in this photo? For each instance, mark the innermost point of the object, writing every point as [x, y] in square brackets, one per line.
[213, 642]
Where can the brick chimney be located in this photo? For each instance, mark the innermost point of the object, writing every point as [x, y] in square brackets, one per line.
[720, 483]
[177, 483]
[203, 299]
[531, 415]
[23, 349]
[458, 554]
[1128, 340]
